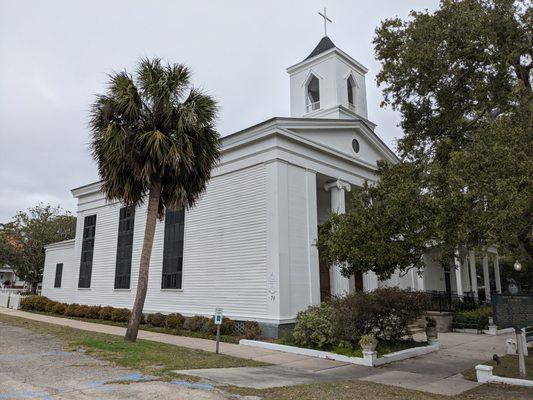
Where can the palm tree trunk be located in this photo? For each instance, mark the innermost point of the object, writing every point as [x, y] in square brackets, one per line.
[144, 266]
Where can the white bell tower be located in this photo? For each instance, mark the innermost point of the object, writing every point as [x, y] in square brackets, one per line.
[328, 84]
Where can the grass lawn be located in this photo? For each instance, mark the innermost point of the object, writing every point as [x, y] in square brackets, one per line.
[508, 367]
[362, 390]
[149, 357]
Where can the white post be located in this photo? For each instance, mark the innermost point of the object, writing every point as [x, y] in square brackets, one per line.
[486, 276]
[473, 272]
[340, 285]
[458, 275]
[497, 279]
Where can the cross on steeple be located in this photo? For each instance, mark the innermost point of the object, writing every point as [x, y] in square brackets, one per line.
[326, 20]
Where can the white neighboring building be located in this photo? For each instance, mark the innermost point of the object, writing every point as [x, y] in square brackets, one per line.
[248, 245]
[8, 279]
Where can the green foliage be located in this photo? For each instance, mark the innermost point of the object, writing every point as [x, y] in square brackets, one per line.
[22, 240]
[59, 308]
[227, 327]
[431, 322]
[367, 340]
[120, 315]
[251, 330]
[174, 321]
[196, 323]
[156, 319]
[314, 327]
[105, 313]
[71, 310]
[474, 319]
[384, 313]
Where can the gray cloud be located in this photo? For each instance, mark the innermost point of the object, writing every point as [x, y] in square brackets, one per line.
[54, 57]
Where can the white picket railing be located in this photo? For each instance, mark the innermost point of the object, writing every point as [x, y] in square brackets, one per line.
[10, 300]
[4, 299]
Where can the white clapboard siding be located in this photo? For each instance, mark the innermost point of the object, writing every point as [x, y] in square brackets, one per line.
[59, 253]
[224, 254]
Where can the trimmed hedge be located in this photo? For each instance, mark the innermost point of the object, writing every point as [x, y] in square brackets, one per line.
[474, 319]
[174, 321]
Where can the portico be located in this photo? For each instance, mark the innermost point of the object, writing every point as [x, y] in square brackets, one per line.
[469, 268]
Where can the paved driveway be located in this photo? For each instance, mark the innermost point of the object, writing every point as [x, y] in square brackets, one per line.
[34, 366]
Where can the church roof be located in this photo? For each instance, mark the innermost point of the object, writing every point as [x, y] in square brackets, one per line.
[322, 46]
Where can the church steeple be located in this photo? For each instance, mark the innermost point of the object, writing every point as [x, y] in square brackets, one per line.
[328, 83]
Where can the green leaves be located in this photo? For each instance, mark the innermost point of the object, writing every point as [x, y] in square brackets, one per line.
[460, 77]
[23, 239]
[153, 127]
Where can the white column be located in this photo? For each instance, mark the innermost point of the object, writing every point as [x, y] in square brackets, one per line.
[278, 277]
[340, 285]
[473, 272]
[458, 275]
[497, 279]
[486, 276]
[370, 281]
[312, 236]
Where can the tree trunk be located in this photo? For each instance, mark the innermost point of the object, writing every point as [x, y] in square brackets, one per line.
[144, 266]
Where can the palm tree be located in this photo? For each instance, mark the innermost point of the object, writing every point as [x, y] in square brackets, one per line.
[153, 139]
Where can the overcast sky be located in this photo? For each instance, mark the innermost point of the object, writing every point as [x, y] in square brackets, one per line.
[54, 57]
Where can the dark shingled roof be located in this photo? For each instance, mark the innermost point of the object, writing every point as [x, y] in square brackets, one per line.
[322, 46]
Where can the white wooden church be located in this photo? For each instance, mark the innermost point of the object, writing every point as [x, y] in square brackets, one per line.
[248, 245]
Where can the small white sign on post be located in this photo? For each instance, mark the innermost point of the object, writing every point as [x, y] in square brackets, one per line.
[218, 322]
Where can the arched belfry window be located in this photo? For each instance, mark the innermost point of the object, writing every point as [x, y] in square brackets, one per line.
[350, 86]
[312, 94]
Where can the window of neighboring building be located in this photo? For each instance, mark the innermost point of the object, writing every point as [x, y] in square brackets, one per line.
[173, 249]
[350, 84]
[313, 94]
[124, 248]
[59, 275]
[87, 250]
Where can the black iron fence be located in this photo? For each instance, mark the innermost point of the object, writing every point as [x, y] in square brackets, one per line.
[451, 301]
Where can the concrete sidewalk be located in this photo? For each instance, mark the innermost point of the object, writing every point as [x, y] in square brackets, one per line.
[435, 373]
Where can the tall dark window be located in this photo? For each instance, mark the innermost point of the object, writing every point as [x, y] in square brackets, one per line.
[124, 248]
[173, 249]
[87, 250]
[59, 275]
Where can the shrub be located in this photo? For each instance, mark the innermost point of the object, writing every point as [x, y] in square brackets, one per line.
[71, 310]
[120, 315]
[251, 330]
[49, 306]
[209, 326]
[81, 311]
[93, 312]
[227, 327]
[314, 327]
[385, 313]
[156, 319]
[27, 303]
[195, 323]
[367, 340]
[474, 319]
[59, 308]
[40, 303]
[174, 321]
[105, 313]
